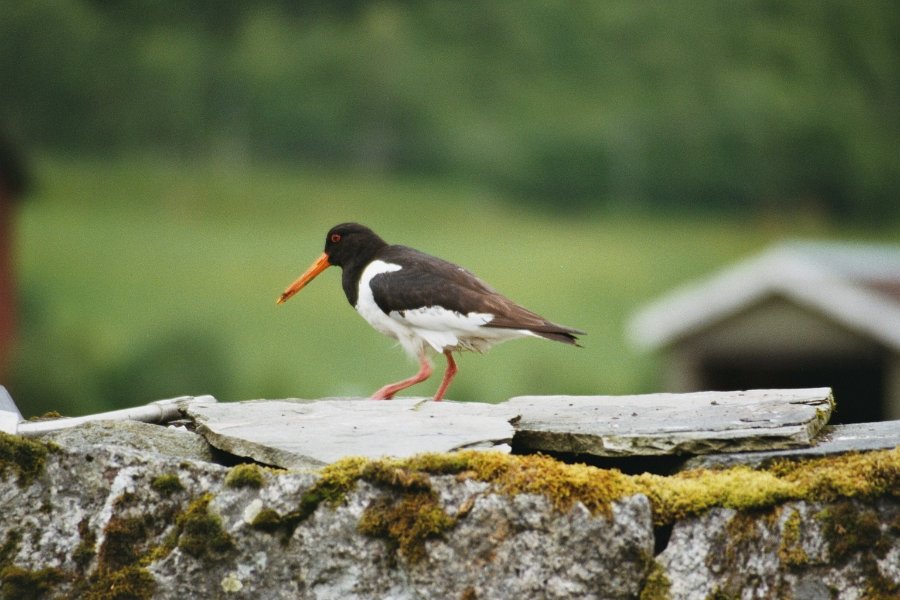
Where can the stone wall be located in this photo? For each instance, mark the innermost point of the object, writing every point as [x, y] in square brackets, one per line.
[131, 510]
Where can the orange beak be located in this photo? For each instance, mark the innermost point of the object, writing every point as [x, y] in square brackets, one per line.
[314, 269]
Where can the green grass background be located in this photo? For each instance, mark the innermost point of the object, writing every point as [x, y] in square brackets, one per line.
[143, 278]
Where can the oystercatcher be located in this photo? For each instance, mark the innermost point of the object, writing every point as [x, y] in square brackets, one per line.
[427, 304]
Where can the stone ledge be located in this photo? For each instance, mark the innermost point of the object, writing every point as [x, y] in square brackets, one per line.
[293, 433]
[663, 424]
[833, 440]
[147, 524]
[302, 433]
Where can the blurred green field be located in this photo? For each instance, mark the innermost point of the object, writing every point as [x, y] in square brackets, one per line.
[143, 278]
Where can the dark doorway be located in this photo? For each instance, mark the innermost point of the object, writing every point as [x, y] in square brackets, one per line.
[858, 383]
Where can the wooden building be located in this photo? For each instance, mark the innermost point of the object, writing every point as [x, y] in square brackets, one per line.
[802, 314]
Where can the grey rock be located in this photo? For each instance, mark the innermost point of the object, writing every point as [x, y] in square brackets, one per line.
[133, 436]
[295, 434]
[659, 424]
[97, 511]
[64, 513]
[844, 549]
[833, 440]
[519, 547]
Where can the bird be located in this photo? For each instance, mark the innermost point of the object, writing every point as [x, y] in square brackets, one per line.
[429, 305]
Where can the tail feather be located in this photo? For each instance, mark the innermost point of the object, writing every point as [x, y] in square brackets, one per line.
[566, 336]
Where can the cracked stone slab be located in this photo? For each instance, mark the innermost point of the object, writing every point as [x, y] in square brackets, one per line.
[834, 439]
[298, 433]
[660, 424]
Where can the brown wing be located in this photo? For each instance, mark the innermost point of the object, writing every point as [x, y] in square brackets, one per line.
[425, 280]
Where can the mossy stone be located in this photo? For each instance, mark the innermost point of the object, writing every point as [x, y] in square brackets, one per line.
[245, 476]
[24, 457]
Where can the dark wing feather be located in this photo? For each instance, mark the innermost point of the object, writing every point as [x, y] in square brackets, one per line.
[425, 280]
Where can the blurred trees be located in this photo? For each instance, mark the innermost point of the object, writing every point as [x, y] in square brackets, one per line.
[738, 105]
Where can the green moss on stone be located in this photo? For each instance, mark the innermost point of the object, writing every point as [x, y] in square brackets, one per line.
[413, 518]
[10, 547]
[719, 594]
[824, 480]
[86, 550]
[323, 491]
[406, 523]
[23, 457]
[790, 551]
[125, 541]
[268, 520]
[245, 476]
[21, 584]
[673, 497]
[200, 532]
[850, 528]
[742, 536]
[129, 583]
[50, 415]
[400, 477]
[657, 586]
[334, 482]
[166, 485]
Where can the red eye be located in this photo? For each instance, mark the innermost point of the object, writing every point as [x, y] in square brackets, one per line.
[335, 238]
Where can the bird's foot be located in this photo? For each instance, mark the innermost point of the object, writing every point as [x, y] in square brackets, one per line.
[386, 393]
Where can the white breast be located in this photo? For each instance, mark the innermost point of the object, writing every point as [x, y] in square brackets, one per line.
[365, 301]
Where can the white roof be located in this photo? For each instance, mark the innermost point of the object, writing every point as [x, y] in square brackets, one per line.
[857, 285]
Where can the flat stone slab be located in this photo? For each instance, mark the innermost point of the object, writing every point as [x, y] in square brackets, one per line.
[660, 424]
[303, 433]
[311, 433]
[834, 440]
[141, 438]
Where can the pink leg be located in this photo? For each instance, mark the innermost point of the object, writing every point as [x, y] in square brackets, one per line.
[388, 391]
[448, 376]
